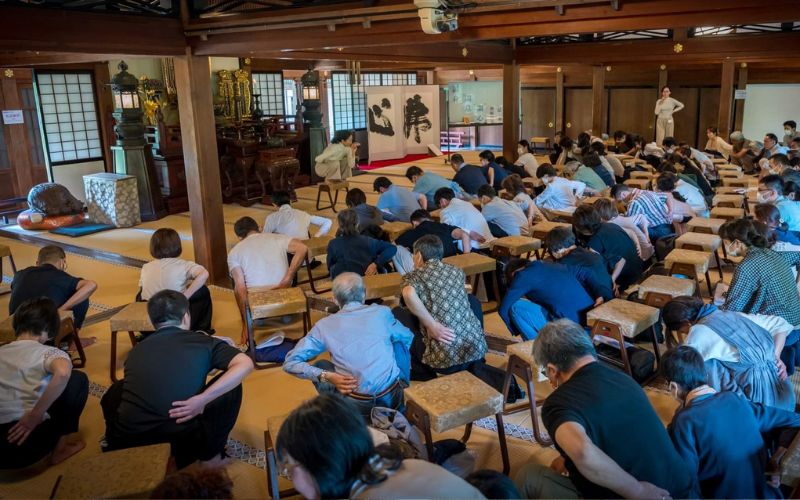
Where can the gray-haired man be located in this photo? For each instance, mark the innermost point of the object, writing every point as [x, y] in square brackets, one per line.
[369, 350]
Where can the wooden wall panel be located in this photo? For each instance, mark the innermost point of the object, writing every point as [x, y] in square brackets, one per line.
[686, 119]
[709, 108]
[577, 110]
[538, 112]
[631, 110]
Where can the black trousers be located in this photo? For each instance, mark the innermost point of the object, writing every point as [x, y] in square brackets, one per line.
[200, 309]
[201, 438]
[65, 414]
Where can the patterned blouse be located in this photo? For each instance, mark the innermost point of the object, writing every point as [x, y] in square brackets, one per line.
[763, 284]
[440, 287]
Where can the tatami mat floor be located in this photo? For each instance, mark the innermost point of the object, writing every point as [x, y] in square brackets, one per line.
[268, 392]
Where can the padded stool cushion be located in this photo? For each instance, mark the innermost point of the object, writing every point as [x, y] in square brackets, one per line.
[700, 260]
[269, 303]
[132, 318]
[455, 400]
[668, 285]
[524, 351]
[720, 212]
[7, 327]
[35, 221]
[631, 317]
[709, 242]
[705, 222]
[736, 199]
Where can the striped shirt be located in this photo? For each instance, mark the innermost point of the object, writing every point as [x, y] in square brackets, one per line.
[652, 205]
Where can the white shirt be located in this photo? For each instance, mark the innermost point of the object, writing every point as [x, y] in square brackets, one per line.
[529, 163]
[463, 215]
[694, 197]
[293, 222]
[262, 258]
[167, 274]
[616, 165]
[24, 375]
[560, 194]
[711, 346]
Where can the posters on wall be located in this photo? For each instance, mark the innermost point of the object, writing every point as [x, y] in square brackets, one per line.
[402, 120]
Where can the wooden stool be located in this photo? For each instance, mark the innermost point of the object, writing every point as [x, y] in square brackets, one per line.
[516, 246]
[562, 216]
[128, 473]
[272, 303]
[522, 364]
[67, 333]
[395, 229]
[132, 318]
[451, 401]
[730, 174]
[729, 200]
[727, 213]
[735, 182]
[692, 263]
[273, 468]
[657, 290]
[638, 183]
[540, 230]
[727, 166]
[705, 225]
[620, 319]
[641, 175]
[327, 187]
[702, 242]
[729, 190]
[384, 285]
[316, 246]
[474, 265]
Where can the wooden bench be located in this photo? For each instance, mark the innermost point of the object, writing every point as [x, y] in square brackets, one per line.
[395, 229]
[522, 365]
[691, 263]
[727, 213]
[132, 318]
[657, 290]
[638, 183]
[327, 187]
[272, 464]
[264, 303]
[67, 333]
[702, 242]
[515, 246]
[450, 401]
[705, 225]
[620, 319]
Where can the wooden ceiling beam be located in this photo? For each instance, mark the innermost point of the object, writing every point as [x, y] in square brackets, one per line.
[29, 59]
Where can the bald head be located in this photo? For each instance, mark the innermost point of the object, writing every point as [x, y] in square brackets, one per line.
[348, 287]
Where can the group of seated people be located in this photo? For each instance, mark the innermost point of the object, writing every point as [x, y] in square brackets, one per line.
[730, 375]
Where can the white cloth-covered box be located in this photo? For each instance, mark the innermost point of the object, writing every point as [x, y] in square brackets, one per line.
[112, 199]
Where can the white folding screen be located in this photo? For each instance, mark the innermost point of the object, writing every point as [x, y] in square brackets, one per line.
[402, 120]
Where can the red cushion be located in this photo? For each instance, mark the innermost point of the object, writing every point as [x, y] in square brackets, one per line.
[47, 223]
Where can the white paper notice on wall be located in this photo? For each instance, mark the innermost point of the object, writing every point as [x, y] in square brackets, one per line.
[12, 116]
[740, 94]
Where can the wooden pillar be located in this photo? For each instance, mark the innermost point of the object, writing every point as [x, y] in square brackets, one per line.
[726, 99]
[740, 85]
[510, 109]
[662, 80]
[201, 160]
[16, 134]
[105, 106]
[598, 94]
[559, 100]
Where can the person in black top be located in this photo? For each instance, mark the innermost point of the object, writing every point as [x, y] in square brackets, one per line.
[612, 243]
[592, 274]
[164, 397]
[469, 177]
[610, 439]
[356, 253]
[48, 278]
[423, 225]
[493, 172]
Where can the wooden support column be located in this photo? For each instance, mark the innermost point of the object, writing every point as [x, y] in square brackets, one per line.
[662, 80]
[16, 134]
[510, 109]
[201, 160]
[740, 85]
[105, 106]
[726, 99]
[559, 100]
[598, 93]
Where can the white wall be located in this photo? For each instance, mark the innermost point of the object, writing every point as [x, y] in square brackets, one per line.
[138, 66]
[767, 107]
[71, 176]
[486, 93]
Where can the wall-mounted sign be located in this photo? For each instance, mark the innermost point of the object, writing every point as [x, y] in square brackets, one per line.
[740, 94]
[12, 116]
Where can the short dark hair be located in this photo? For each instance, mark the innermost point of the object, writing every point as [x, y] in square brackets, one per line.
[329, 438]
[598, 147]
[419, 215]
[280, 198]
[768, 214]
[525, 144]
[486, 155]
[245, 226]
[666, 182]
[355, 197]
[713, 130]
[348, 222]
[341, 135]
[774, 182]
[681, 310]
[443, 194]
[165, 243]
[560, 238]
[456, 158]
[35, 316]
[669, 142]
[744, 230]
[591, 159]
[791, 123]
[381, 182]
[545, 169]
[772, 136]
[515, 264]
[619, 134]
[429, 247]
[513, 184]
[486, 190]
[586, 220]
[780, 159]
[50, 253]
[684, 366]
[196, 482]
[493, 484]
[412, 171]
[606, 209]
[618, 189]
[167, 307]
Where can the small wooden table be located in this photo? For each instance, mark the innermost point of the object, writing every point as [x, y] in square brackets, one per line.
[702, 242]
[132, 318]
[727, 213]
[265, 303]
[657, 290]
[728, 200]
[395, 229]
[705, 225]
[516, 246]
[638, 183]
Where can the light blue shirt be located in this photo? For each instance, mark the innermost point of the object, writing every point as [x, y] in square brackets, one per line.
[428, 183]
[790, 212]
[359, 339]
[400, 202]
[506, 214]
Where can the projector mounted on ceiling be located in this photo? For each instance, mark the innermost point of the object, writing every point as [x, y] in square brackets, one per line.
[435, 17]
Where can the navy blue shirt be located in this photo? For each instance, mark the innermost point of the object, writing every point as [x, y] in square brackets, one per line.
[719, 437]
[499, 174]
[590, 269]
[426, 227]
[41, 281]
[613, 243]
[355, 253]
[537, 282]
[787, 236]
[470, 178]
[604, 174]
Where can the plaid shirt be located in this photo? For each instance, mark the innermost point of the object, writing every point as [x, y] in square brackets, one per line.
[650, 204]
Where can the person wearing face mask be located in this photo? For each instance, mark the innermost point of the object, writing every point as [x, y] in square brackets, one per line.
[789, 132]
[559, 193]
[611, 442]
[744, 152]
[666, 106]
[770, 190]
[741, 351]
[525, 158]
[493, 172]
[771, 147]
[702, 427]
[339, 159]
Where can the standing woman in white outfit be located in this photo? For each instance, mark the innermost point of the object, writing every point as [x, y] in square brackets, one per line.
[665, 107]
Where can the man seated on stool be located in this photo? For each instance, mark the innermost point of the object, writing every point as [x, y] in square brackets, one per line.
[369, 350]
[164, 397]
[539, 292]
[655, 207]
[259, 260]
[505, 217]
[559, 193]
[49, 278]
[463, 214]
[423, 225]
[589, 267]
[396, 202]
[594, 415]
[292, 222]
[469, 177]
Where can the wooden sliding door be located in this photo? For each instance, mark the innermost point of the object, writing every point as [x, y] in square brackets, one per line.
[538, 112]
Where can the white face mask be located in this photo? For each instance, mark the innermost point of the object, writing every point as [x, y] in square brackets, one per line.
[520, 151]
[763, 198]
[788, 131]
[735, 249]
